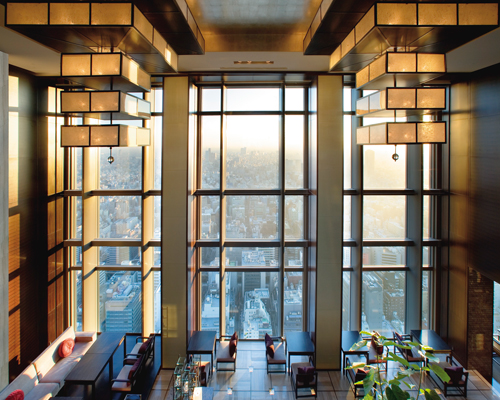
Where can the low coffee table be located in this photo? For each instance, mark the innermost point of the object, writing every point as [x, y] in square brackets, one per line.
[299, 344]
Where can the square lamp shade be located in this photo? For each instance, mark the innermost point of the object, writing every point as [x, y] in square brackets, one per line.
[104, 136]
[96, 102]
[402, 133]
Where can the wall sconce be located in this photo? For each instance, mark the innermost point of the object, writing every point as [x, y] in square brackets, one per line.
[402, 133]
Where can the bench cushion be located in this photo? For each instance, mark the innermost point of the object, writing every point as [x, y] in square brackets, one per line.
[123, 386]
[26, 382]
[80, 349]
[58, 372]
[223, 353]
[85, 336]
[43, 391]
[45, 361]
[279, 355]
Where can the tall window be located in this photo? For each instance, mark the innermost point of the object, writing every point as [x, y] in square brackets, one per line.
[252, 201]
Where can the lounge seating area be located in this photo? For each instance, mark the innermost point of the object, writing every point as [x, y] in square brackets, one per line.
[226, 352]
[275, 354]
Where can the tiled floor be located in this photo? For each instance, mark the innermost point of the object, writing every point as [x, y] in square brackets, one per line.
[332, 385]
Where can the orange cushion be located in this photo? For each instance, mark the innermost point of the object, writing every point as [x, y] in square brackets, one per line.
[66, 347]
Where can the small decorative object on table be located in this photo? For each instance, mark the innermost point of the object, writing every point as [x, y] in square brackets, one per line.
[186, 377]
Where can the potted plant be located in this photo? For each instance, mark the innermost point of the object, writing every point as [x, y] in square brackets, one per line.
[390, 388]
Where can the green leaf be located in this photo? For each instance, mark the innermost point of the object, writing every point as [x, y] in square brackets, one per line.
[440, 372]
[358, 345]
[399, 359]
[368, 396]
[369, 381]
[414, 344]
[390, 343]
[430, 394]
[410, 385]
[430, 357]
[366, 333]
[399, 393]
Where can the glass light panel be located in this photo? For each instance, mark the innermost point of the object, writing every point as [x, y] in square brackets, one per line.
[135, 74]
[157, 217]
[75, 101]
[253, 304]
[75, 136]
[124, 173]
[384, 302]
[75, 64]
[348, 43]
[400, 98]
[120, 301]
[210, 99]
[431, 62]
[294, 98]
[402, 132]
[346, 301]
[210, 217]
[144, 26]
[362, 105]
[253, 99]
[109, 101]
[120, 217]
[437, 14]
[106, 64]
[252, 217]
[478, 14]
[77, 299]
[104, 135]
[377, 101]
[363, 76]
[252, 256]
[294, 256]
[365, 24]
[426, 217]
[159, 41]
[69, 14]
[402, 62]
[210, 302]
[347, 217]
[157, 126]
[431, 98]
[426, 299]
[294, 217]
[24, 14]
[294, 151]
[111, 14]
[293, 304]
[347, 151]
[378, 67]
[115, 256]
[210, 256]
[431, 132]
[396, 14]
[384, 216]
[384, 256]
[252, 158]
[335, 57]
[378, 134]
[210, 151]
[157, 301]
[363, 135]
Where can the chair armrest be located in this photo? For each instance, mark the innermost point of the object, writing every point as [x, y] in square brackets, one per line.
[143, 338]
[133, 355]
[121, 380]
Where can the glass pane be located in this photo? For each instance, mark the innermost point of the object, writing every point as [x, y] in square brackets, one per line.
[157, 301]
[384, 217]
[379, 169]
[252, 99]
[76, 256]
[126, 170]
[426, 256]
[120, 217]
[157, 125]
[346, 259]
[78, 154]
[157, 100]
[292, 307]
[210, 99]
[157, 257]
[120, 307]
[210, 150]
[294, 256]
[347, 99]
[252, 151]
[210, 216]
[77, 303]
[426, 217]
[346, 301]
[347, 217]
[383, 304]
[426, 299]
[253, 304]
[112, 256]
[210, 292]
[210, 256]
[294, 99]
[426, 149]
[252, 257]
[347, 152]
[294, 151]
[496, 309]
[76, 231]
[157, 218]
[252, 217]
[384, 256]
[294, 217]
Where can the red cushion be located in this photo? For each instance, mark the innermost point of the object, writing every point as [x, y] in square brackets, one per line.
[307, 374]
[455, 374]
[66, 347]
[145, 345]
[270, 350]
[378, 348]
[235, 336]
[134, 368]
[232, 347]
[16, 395]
